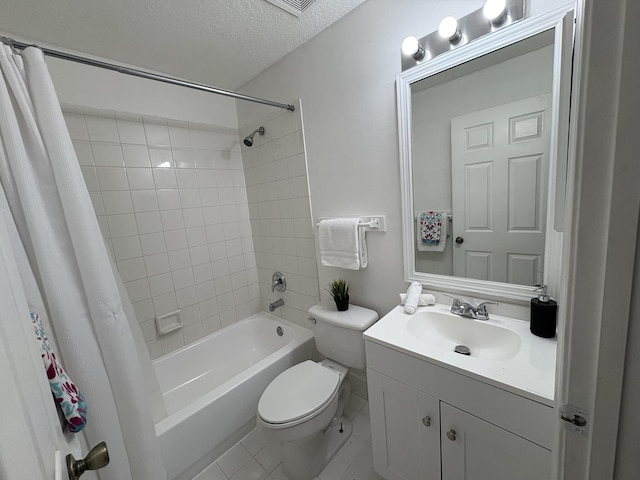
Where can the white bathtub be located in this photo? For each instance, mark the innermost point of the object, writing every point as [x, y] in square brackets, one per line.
[211, 388]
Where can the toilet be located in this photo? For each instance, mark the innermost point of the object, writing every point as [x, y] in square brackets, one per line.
[302, 407]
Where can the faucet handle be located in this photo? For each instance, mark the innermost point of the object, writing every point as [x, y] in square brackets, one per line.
[482, 309]
[456, 300]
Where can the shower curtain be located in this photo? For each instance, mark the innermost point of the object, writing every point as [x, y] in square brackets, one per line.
[70, 278]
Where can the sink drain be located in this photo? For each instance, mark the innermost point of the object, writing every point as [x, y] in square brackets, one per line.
[462, 350]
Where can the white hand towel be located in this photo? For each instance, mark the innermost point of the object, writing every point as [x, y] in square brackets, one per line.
[438, 247]
[342, 243]
[425, 299]
[413, 295]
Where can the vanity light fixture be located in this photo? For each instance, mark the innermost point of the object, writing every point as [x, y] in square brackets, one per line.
[455, 32]
[495, 11]
[448, 29]
[411, 46]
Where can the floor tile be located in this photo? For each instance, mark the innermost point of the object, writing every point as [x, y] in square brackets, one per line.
[234, 459]
[250, 471]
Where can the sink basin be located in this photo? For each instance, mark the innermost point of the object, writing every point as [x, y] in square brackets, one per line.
[446, 331]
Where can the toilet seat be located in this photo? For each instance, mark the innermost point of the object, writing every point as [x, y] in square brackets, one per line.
[297, 394]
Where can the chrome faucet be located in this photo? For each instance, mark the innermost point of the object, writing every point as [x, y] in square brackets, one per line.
[471, 309]
[276, 304]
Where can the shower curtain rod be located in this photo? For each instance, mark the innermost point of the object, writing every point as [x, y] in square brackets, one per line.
[143, 74]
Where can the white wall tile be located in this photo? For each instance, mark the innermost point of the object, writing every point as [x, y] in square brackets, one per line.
[148, 222]
[183, 158]
[165, 303]
[180, 137]
[131, 132]
[183, 278]
[136, 155]
[165, 178]
[169, 199]
[190, 197]
[152, 243]
[176, 239]
[140, 178]
[160, 284]
[112, 178]
[138, 290]
[199, 254]
[127, 247]
[157, 134]
[186, 297]
[187, 178]
[132, 269]
[179, 259]
[144, 200]
[107, 154]
[144, 310]
[193, 217]
[161, 157]
[102, 129]
[157, 263]
[123, 225]
[172, 219]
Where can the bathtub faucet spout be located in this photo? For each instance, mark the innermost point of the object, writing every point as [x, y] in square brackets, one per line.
[276, 304]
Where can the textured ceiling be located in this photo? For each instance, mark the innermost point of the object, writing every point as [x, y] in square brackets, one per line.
[219, 42]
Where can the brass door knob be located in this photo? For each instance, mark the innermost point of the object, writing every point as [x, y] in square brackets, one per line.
[97, 458]
[426, 421]
[451, 435]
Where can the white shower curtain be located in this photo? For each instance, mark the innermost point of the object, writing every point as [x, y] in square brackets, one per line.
[54, 216]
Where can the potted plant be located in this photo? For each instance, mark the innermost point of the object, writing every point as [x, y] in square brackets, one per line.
[339, 291]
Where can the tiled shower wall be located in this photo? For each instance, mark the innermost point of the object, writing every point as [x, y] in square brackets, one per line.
[280, 212]
[171, 200]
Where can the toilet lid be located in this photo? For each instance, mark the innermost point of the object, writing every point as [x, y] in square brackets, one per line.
[298, 392]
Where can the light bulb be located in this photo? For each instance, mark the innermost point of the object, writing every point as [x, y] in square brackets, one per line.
[495, 10]
[448, 29]
[411, 46]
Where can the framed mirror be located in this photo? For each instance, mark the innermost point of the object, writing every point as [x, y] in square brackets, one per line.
[483, 133]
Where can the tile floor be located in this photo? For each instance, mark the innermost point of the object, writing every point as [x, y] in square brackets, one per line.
[253, 458]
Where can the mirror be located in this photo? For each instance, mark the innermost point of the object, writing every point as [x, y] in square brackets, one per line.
[479, 131]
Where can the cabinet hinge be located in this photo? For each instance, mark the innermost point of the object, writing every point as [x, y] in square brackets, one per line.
[575, 418]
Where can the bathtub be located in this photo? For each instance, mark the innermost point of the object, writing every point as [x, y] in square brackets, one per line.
[211, 388]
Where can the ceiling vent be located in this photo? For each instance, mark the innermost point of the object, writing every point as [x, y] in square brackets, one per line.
[294, 7]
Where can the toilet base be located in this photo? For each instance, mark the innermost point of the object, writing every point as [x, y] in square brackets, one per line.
[305, 459]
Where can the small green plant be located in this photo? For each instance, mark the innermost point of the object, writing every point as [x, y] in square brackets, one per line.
[339, 291]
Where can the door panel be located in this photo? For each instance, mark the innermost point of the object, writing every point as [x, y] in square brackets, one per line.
[404, 446]
[482, 451]
[500, 167]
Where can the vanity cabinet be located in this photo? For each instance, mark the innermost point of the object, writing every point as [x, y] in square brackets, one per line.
[430, 423]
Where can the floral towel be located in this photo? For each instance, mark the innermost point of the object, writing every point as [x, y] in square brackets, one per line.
[65, 393]
[430, 227]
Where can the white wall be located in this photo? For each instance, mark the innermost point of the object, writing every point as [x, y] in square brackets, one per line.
[345, 77]
[78, 84]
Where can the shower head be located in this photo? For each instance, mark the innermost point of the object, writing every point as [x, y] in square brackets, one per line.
[248, 141]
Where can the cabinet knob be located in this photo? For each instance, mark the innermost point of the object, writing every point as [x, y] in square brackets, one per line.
[451, 435]
[426, 421]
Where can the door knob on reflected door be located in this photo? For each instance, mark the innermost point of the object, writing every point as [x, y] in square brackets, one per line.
[459, 240]
[97, 458]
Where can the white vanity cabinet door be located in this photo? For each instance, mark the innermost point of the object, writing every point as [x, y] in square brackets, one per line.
[473, 449]
[405, 430]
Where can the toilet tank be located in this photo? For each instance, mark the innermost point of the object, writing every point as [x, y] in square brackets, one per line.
[338, 335]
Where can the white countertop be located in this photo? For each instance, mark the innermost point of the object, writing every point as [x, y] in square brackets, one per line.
[530, 372]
